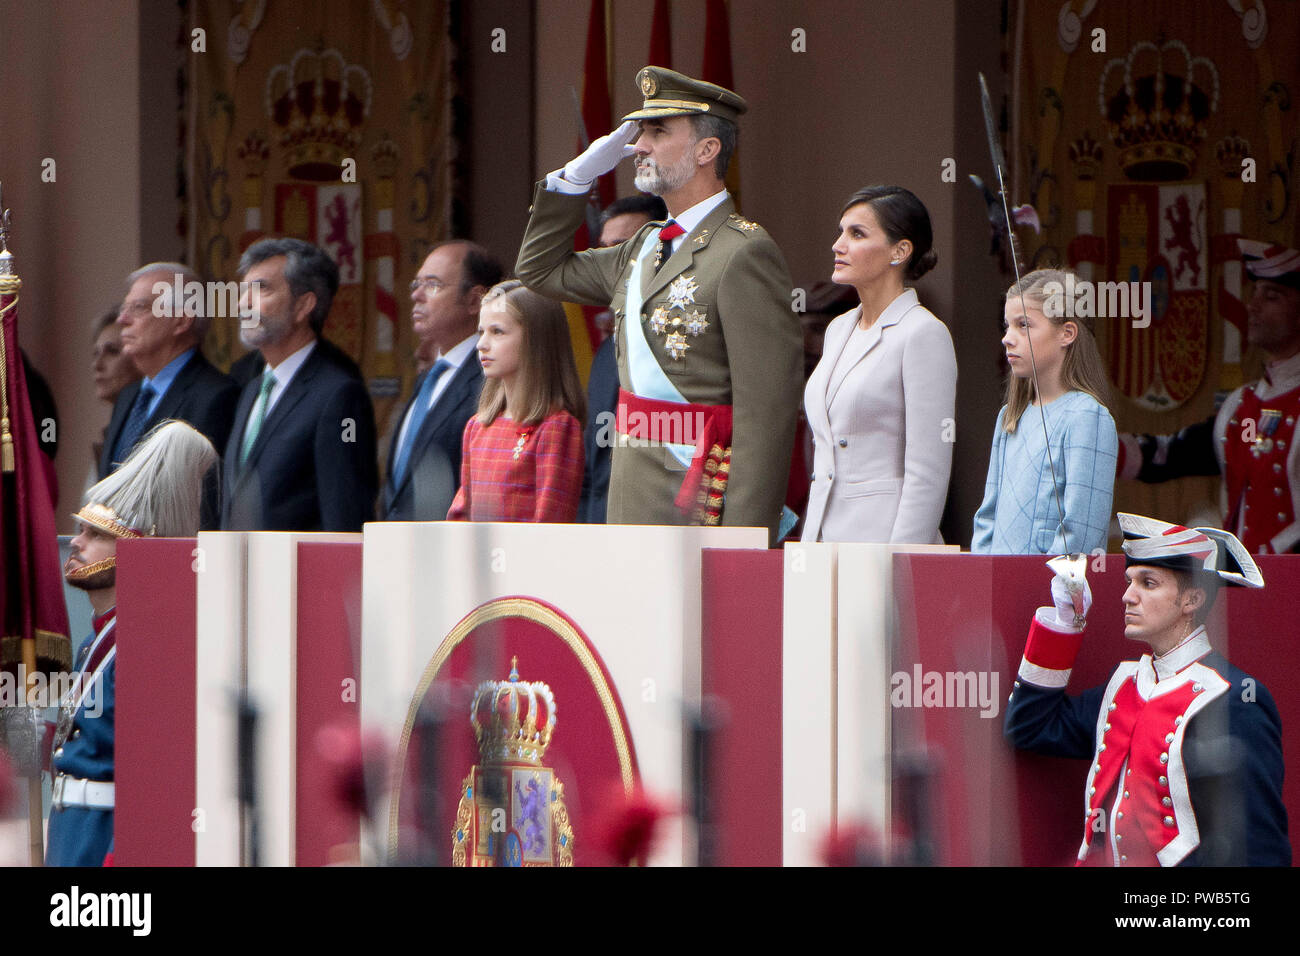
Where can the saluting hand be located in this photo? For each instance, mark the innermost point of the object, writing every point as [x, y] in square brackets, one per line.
[602, 155]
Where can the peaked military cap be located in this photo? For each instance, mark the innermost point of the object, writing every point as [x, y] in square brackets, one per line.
[669, 93]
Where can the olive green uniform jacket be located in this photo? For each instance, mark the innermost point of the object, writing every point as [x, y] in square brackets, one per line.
[749, 355]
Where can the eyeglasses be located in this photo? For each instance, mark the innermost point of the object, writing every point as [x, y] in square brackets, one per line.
[434, 286]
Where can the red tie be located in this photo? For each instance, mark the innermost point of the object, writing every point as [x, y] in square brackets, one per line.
[671, 231]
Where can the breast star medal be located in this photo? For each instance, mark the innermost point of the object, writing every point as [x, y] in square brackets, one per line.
[659, 320]
[676, 345]
[681, 292]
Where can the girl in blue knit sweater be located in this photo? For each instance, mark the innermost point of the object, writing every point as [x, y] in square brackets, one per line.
[1020, 513]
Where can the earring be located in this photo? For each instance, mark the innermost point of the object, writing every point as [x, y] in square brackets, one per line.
[893, 262]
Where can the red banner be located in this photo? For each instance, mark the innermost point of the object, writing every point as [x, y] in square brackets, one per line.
[31, 600]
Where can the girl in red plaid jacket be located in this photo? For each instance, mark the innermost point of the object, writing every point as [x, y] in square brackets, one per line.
[523, 449]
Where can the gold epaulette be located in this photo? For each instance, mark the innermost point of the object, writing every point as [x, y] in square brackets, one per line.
[742, 225]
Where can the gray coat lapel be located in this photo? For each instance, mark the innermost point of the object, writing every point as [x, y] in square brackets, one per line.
[857, 349]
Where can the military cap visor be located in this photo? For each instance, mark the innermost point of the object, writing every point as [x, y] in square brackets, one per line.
[669, 93]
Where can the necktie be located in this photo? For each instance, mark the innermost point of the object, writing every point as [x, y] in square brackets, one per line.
[134, 427]
[670, 231]
[258, 415]
[419, 411]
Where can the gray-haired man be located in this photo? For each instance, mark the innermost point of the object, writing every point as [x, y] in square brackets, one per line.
[163, 336]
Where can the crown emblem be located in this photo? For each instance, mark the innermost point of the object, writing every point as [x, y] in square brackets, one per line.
[1230, 151]
[1086, 156]
[384, 155]
[1157, 119]
[319, 103]
[512, 720]
[511, 810]
[649, 85]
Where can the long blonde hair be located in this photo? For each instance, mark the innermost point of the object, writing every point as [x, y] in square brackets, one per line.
[548, 376]
[1082, 369]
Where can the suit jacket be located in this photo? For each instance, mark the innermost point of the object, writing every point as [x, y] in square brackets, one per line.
[748, 355]
[882, 438]
[312, 467]
[199, 395]
[251, 364]
[433, 472]
[602, 399]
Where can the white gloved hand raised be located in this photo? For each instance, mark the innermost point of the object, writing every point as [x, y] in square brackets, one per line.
[1070, 591]
[602, 155]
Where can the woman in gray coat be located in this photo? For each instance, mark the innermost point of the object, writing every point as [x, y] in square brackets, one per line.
[880, 403]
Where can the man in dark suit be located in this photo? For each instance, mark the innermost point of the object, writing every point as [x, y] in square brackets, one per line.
[251, 365]
[619, 222]
[424, 457]
[163, 337]
[301, 454]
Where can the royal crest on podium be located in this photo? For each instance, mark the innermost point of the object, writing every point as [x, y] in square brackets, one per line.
[512, 810]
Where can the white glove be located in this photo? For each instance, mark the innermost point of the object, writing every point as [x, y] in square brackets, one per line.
[602, 155]
[1070, 591]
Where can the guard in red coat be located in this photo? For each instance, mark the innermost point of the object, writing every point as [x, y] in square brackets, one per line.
[1186, 749]
[1252, 438]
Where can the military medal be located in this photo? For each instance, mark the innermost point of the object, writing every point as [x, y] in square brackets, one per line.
[681, 292]
[1269, 419]
[676, 345]
[659, 320]
[696, 323]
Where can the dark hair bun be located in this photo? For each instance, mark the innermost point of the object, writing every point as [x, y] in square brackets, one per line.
[918, 266]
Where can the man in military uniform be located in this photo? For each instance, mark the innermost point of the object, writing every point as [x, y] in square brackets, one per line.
[1251, 440]
[156, 491]
[708, 349]
[1186, 749]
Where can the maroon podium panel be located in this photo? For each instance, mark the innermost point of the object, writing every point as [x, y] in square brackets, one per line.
[986, 803]
[154, 709]
[741, 673]
[328, 700]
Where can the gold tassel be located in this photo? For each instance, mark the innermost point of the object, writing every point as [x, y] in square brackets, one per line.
[6, 447]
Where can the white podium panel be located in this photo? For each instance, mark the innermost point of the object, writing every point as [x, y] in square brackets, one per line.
[247, 640]
[633, 591]
[836, 718]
